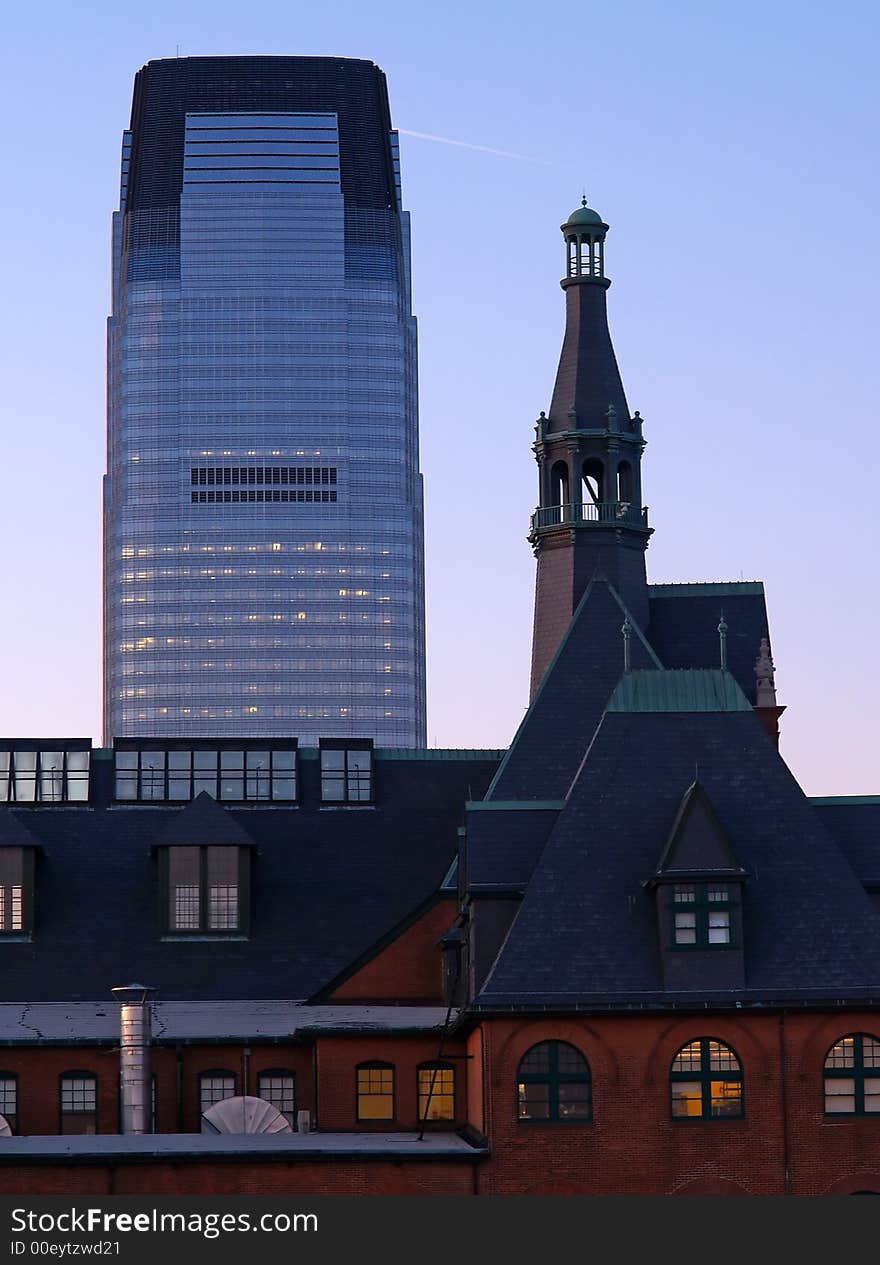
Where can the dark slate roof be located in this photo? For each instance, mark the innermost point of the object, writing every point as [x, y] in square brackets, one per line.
[326, 884]
[13, 833]
[568, 705]
[684, 626]
[587, 379]
[697, 842]
[504, 840]
[586, 932]
[202, 823]
[854, 821]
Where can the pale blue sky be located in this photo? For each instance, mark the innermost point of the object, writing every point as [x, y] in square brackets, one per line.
[733, 151]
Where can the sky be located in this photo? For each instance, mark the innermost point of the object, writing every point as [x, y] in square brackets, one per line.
[732, 150]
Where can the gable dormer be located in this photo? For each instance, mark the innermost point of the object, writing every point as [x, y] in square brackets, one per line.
[698, 885]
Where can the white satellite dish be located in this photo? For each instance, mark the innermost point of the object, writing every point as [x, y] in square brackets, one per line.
[5, 1128]
[244, 1114]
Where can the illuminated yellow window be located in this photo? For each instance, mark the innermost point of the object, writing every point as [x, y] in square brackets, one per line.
[375, 1091]
[706, 1081]
[436, 1092]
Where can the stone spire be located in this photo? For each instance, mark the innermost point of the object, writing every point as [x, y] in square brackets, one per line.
[766, 706]
[765, 692]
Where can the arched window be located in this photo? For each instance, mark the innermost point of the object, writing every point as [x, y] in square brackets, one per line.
[706, 1081]
[852, 1076]
[278, 1086]
[9, 1099]
[78, 1101]
[214, 1086]
[625, 483]
[559, 484]
[374, 1085]
[436, 1085]
[553, 1083]
[594, 481]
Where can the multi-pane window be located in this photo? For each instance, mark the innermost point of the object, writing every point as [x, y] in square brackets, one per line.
[852, 1076]
[278, 1087]
[701, 914]
[436, 1083]
[205, 889]
[553, 1083]
[706, 1081]
[79, 1102]
[44, 777]
[183, 773]
[214, 1086]
[9, 1099]
[346, 775]
[375, 1091]
[16, 890]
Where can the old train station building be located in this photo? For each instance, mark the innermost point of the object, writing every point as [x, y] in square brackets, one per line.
[627, 955]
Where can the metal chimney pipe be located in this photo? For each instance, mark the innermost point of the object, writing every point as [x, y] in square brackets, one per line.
[135, 1080]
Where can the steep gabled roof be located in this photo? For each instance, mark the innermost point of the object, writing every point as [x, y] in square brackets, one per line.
[14, 833]
[697, 843]
[203, 823]
[586, 933]
[568, 705]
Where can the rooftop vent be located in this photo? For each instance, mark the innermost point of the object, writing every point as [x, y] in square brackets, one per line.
[244, 1115]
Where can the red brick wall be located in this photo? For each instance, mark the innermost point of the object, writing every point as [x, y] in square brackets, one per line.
[407, 970]
[633, 1146]
[554, 603]
[337, 1059]
[271, 1177]
[38, 1072]
[474, 1067]
[198, 1059]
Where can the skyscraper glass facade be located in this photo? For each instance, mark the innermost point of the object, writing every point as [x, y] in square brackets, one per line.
[263, 535]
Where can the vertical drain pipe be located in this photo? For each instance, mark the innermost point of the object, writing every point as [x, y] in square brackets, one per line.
[135, 1081]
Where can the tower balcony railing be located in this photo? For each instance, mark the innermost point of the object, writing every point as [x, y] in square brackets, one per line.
[600, 513]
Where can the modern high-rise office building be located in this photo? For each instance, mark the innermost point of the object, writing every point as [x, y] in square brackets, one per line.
[263, 531]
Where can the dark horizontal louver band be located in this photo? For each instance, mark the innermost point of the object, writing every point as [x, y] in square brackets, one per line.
[278, 496]
[211, 476]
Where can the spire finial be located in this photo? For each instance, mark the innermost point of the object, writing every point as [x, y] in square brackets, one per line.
[722, 637]
[584, 198]
[766, 683]
[626, 629]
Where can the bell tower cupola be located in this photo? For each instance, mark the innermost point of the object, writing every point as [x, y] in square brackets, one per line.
[590, 518]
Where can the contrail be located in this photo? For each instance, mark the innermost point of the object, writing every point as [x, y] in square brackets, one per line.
[483, 149]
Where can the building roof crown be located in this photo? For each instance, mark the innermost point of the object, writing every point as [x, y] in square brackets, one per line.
[584, 217]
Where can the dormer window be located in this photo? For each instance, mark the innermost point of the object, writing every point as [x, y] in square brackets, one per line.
[701, 915]
[347, 772]
[33, 776]
[16, 891]
[182, 773]
[206, 891]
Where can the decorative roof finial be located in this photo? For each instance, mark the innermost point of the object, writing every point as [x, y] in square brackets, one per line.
[722, 638]
[584, 199]
[627, 634]
[765, 693]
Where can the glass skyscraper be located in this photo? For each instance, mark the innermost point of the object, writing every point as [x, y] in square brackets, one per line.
[263, 529]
